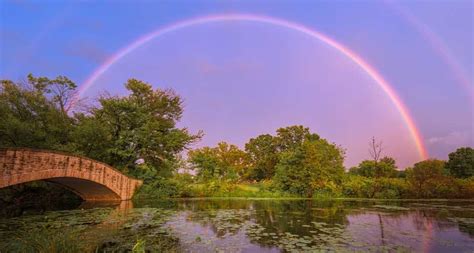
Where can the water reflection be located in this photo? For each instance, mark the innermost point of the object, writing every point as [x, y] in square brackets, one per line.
[298, 225]
[237, 225]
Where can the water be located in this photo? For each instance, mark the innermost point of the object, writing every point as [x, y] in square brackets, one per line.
[237, 225]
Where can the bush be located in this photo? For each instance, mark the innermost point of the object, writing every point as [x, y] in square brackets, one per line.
[160, 187]
[466, 187]
[390, 188]
[328, 190]
[385, 188]
[356, 186]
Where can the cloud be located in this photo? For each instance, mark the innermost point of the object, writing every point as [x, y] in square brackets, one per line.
[88, 51]
[204, 66]
[456, 138]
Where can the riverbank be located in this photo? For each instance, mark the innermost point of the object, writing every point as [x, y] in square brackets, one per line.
[353, 187]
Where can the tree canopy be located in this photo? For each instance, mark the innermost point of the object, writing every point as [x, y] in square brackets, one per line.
[461, 163]
[120, 130]
[312, 166]
[224, 161]
[34, 113]
[386, 167]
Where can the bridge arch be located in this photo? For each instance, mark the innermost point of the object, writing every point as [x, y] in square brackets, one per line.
[90, 179]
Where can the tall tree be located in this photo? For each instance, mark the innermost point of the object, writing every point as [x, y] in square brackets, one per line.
[34, 113]
[461, 163]
[224, 161]
[263, 157]
[137, 127]
[61, 90]
[293, 136]
[426, 176]
[314, 165]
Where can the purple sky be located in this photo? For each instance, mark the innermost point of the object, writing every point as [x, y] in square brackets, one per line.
[241, 79]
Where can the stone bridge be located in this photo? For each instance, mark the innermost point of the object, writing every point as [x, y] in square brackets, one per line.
[90, 179]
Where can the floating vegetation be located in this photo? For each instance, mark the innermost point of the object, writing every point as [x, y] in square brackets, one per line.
[394, 208]
[244, 225]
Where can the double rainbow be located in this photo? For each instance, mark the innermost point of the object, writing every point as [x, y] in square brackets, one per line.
[371, 71]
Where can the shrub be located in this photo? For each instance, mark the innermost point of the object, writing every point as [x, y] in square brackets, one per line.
[356, 186]
[385, 188]
[158, 188]
[466, 187]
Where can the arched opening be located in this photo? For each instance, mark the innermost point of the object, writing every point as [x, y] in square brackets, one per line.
[87, 190]
[36, 197]
[61, 193]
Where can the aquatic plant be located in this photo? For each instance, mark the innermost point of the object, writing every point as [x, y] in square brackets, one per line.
[139, 247]
[47, 241]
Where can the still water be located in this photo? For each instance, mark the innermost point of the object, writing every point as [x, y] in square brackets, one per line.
[238, 225]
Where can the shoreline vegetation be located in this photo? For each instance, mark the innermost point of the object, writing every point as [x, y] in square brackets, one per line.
[137, 134]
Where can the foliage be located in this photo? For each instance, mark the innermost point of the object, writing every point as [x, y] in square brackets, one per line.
[466, 187]
[119, 131]
[215, 188]
[138, 127]
[263, 157]
[461, 163]
[364, 187]
[310, 167]
[34, 114]
[139, 247]
[289, 138]
[226, 161]
[370, 168]
[158, 187]
[426, 177]
[264, 150]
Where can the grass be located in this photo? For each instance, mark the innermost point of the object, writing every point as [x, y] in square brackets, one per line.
[239, 190]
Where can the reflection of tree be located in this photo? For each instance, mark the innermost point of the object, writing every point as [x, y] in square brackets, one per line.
[297, 216]
[467, 227]
[382, 237]
[275, 218]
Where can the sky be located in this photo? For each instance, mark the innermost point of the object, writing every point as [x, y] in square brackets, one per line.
[399, 71]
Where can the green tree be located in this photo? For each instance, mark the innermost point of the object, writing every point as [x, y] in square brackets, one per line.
[234, 160]
[206, 162]
[426, 176]
[315, 165]
[34, 113]
[90, 138]
[292, 137]
[263, 157]
[461, 163]
[224, 161]
[385, 167]
[135, 133]
[61, 90]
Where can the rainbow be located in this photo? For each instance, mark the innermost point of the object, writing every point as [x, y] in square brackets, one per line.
[438, 45]
[371, 71]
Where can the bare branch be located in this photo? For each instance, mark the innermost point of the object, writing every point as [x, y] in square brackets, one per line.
[375, 149]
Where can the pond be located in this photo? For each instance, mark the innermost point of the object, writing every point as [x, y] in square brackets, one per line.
[252, 225]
